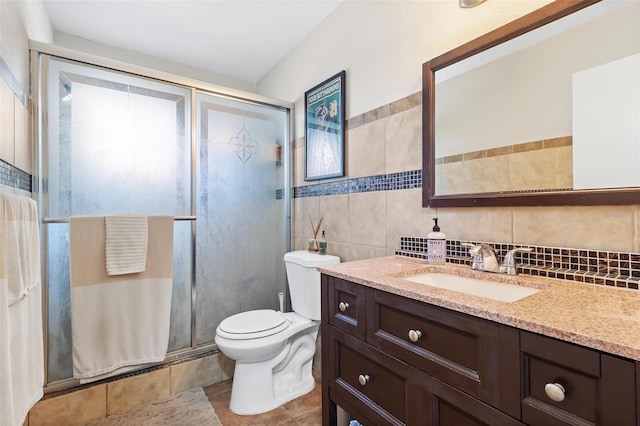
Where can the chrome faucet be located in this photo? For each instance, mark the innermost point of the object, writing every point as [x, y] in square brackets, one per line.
[509, 263]
[483, 256]
[484, 259]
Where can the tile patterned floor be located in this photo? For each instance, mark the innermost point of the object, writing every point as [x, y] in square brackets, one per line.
[306, 410]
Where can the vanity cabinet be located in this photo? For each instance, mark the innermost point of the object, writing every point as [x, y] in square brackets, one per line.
[456, 348]
[387, 359]
[589, 387]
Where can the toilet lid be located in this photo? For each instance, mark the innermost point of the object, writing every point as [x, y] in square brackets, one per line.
[253, 324]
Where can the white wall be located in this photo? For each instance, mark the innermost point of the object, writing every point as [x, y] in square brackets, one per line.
[21, 20]
[382, 45]
[127, 56]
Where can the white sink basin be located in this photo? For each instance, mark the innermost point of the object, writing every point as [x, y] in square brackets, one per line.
[473, 286]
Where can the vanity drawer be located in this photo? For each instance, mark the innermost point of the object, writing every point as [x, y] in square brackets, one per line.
[595, 388]
[346, 306]
[451, 407]
[381, 387]
[458, 349]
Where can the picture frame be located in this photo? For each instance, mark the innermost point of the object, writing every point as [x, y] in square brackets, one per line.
[324, 129]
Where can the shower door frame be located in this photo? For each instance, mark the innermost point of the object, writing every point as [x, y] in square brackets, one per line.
[40, 141]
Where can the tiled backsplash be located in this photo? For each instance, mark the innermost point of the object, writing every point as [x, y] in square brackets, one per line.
[616, 269]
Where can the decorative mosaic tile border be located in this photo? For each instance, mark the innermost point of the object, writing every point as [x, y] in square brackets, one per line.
[615, 269]
[390, 182]
[14, 177]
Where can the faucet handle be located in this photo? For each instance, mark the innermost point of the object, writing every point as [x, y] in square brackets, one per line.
[473, 248]
[483, 257]
[509, 262]
[476, 256]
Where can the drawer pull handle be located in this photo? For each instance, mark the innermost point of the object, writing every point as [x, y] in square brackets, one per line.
[414, 335]
[343, 306]
[555, 391]
[364, 379]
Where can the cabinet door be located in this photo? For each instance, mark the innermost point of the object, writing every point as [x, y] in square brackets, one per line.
[345, 306]
[459, 349]
[589, 388]
[450, 407]
[382, 388]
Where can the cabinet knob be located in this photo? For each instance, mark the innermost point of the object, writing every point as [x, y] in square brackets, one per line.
[343, 306]
[364, 379]
[555, 391]
[414, 335]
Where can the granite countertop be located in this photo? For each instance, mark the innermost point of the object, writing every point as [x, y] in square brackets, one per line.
[595, 316]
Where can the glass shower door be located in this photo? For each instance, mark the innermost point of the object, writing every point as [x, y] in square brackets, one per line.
[241, 227]
[115, 144]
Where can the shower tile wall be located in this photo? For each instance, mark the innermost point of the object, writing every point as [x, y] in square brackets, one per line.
[368, 219]
[99, 400]
[15, 139]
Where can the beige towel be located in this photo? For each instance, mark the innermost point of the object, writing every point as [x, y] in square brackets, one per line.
[123, 320]
[21, 344]
[126, 243]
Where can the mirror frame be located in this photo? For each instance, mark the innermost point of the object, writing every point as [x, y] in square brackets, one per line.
[529, 22]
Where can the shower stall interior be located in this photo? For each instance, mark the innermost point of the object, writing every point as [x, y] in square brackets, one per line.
[118, 142]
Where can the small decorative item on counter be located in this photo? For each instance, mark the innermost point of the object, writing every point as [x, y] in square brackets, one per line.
[436, 245]
[322, 243]
[313, 243]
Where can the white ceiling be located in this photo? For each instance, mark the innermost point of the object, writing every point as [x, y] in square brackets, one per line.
[242, 39]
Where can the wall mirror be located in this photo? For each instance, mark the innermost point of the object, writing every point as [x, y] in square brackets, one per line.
[542, 111]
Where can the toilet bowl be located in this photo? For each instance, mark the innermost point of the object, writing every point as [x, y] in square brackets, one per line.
[274, 350]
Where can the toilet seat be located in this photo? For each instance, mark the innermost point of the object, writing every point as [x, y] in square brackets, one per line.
[252, 325]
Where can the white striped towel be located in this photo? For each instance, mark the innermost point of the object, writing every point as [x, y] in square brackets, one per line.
[126, 243]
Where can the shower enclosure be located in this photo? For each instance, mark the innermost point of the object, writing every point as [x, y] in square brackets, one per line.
[120, 142]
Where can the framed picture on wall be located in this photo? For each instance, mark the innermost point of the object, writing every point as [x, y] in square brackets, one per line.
[324, 129]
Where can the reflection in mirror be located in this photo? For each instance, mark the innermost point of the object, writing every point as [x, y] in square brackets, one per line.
[557, 108]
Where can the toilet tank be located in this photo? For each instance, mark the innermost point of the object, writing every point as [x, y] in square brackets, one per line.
[304, 281]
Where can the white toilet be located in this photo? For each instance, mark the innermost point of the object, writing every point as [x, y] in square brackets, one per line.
[273, 350]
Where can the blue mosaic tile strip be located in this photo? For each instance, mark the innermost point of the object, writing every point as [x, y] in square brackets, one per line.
[609, 268]
[14, 177]
[391, 182]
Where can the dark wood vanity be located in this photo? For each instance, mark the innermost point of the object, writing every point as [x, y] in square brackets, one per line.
[389, 359]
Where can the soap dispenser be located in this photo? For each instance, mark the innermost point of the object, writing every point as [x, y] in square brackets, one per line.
[436, 245]
[322, 244]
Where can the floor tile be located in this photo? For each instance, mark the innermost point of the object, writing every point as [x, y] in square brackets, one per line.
[218, 388]
[310, 418]
[305, 403]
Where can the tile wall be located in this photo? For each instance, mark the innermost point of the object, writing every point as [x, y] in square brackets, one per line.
[520, 167]
[15, 131]
[384, 146]
[96, 401]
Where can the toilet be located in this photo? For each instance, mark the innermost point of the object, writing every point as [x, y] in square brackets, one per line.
[274, 350]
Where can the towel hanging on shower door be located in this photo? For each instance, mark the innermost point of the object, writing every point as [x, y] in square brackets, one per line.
[118, 321]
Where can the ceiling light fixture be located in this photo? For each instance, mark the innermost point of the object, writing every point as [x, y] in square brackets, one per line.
[465, 4]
